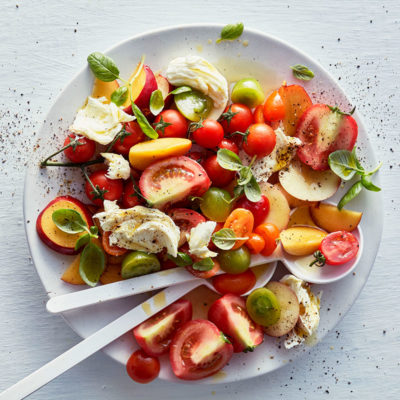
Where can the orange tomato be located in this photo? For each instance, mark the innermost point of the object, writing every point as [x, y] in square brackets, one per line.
[204, 274]
[241, 221]
[270, 234]
[259, 115]
[274, 109]
[111, 250]
[255, 243]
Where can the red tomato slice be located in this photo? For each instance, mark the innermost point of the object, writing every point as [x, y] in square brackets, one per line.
[199, 349]
[185, 219]
[230, 315]
[339, 247]
[235, 283]
[173, 179]
[154, 335]
[142, 368]
[322, 132]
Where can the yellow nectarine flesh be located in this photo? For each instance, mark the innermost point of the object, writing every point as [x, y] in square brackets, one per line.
[104, 89]
[301, 216]
[111, 274]
[301, 240]
[71, 275]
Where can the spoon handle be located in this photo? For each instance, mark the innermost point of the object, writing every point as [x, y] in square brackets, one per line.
[96, 341]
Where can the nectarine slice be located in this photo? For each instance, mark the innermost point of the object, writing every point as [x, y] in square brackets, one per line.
[301, 216]
[293, 201]
[111, 274]
[301, 240]
[71, 275]
[104, 89]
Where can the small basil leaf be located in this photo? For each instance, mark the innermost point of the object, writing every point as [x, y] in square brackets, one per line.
[92, 264]
[82, 241]
[343, 163]
[252, 190]
[182, 259]
[358, 164]
[224, 239]
[156, 102]
[103, 67]
[229, 160]
[68, 220]
[231, 32]
[119, 96]
[302, 72]
[353, 192]
[366, 181]
[206, 264]
[181, 89]
[238, 191]
[244, 176]
[94, 230]
[143, 123]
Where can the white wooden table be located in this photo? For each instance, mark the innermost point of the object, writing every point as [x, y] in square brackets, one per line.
[44, 43]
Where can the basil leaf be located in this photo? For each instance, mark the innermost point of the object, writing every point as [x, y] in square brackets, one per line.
[238, 191]
[231, 32]
[82, 241]
[68, 220]
[344, 164]
[182, 259]
[181, 89]
[92, 264]
[103, 67]
[229, 160]
[203, 265]
[245, 175]
[302, 72]
[358, 164]
[119, 96]
[353, 192]
[366, 181]
[225, 238]
[252, 190]
[94, 231]
[156, 102]
[143, 123]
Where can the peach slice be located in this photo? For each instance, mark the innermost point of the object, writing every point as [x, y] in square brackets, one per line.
[303, 183]
[331, 219]
[104, 89]
[165, 87]
[301, 216]
[279, 210]
[301, 240]
[111, 274]
[293, 202]
[71, 275]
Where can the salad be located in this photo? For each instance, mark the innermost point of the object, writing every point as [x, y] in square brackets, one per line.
[183, 169]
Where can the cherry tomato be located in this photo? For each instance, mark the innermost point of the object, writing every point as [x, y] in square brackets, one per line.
[256, 243]
[155, 335]
[111, 188]
[83, 152]
[219, 176]
[339, 247]
[142, 368]
[236, 117]
[235, 283]
[235, 261]
[260, 141]
[196, 156]
[111, 250]
[229, 145]
[248, 91]
[216, 204]
[274, 109]
[241, 221]
[230, 315]
[129, 197]
[199, 349]
[204, 274]
[122, 146]
[270, 234]
[171, 123]
[259, 209]
[209, 134]
[185, 219]
[259, 115]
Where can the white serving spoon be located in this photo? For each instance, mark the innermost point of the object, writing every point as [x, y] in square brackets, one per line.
[298, 266]
[113, 331]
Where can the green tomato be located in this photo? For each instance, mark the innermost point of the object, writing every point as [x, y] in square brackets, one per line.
[235, 261]
[193, 105]
[139, 263]
[249, 92]
[216, 205]
[263, 307]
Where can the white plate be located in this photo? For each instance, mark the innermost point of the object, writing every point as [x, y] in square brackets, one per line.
[263, 57]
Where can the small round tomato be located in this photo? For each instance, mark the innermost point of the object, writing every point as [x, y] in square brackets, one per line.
[201, 273]
[208, 134]
[83, 152]
[142, 368]
[107, 189]
[339, 247]
[171, 123]
[241, 221]
[219, 176]
[248, 91]
[216, 204]
[255, 243]
[229, 145]
[129, 197]
[270, 234]
[259, 115]
[235, 283]
[236, 117]
[260, 140]
[196, 156]
[259, 209]
[235, 261]
[199, 349]
[111, 250]
[274, 108]
[185, 219]
[135, 135]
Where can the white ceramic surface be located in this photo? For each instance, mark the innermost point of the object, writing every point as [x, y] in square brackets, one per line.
[265, 58]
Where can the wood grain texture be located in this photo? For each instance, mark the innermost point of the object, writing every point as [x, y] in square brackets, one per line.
[43, 44]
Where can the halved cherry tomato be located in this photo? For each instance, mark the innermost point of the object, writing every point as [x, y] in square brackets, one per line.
[111, 189]
[83, 152]
[204, 274]
[259, 115]
[155, 335]
[185, 219]
[339, 247]
[122, 146]
[274, 109]
[111, 250]
[129, 197]
[241, 221]
[256, 243]
[270, 234]
[142, 368]
[235, 283]
[199, 349]
[260, 141]
[230, 315]
[219, 176]
[236, 117]
[259, 209]
[171, 123]
[229, 145]
[209, 133]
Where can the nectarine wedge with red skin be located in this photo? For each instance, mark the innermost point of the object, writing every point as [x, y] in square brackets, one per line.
[165, 87]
